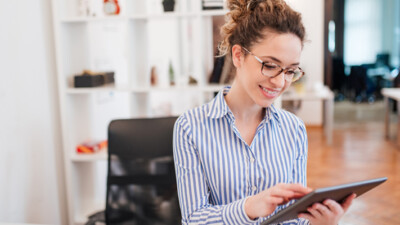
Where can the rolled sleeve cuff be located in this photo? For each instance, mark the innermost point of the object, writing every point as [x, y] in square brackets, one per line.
[234, 214]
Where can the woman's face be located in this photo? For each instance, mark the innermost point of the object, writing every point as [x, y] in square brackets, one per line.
[281, 49]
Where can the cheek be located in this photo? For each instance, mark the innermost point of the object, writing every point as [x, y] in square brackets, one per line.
[250, 75]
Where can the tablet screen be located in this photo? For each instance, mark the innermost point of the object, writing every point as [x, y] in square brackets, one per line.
[337, 193]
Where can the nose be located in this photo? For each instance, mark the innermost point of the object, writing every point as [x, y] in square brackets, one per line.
[279, 80]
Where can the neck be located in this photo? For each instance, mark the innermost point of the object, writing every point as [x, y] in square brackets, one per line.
[241, 105]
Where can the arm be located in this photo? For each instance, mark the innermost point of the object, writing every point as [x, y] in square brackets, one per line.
[299, 172]
[266, 202]
[192, 185]
[330, 211]
[300, 167]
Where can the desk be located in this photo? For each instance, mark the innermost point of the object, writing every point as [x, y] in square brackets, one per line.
[391, 93]
[1, 223]
[324, 94]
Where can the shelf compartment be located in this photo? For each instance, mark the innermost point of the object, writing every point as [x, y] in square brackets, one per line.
[110, 88]
[98, 156]
[220, 12]
[89, 184]
[80, 19]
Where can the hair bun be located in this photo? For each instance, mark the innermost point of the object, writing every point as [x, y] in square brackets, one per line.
[252, 4]
[247, 19]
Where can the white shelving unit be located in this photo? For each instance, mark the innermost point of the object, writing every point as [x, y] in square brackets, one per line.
[129, 44]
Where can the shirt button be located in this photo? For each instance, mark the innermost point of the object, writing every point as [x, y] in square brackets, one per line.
[252, 160]
[254, 188]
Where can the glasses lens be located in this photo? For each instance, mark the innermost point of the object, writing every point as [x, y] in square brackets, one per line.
[270, 69]
[293, 75]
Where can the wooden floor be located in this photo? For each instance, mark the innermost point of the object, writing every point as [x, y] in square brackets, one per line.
[359, 152]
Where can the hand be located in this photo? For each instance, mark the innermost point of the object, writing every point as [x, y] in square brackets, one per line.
[265, 202]
[327, 213]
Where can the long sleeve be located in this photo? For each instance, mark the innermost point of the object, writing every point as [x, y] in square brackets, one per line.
[192, 185]
[300, 167]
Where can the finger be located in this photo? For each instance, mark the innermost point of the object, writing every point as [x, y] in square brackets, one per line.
[275, 200]
[297, 188]
[298, 195]
[315, 213]
[306, 216]
[346, 204]
[335, 207]
[282, 193]
[322, 209]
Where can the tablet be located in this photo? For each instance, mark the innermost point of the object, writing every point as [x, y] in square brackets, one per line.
[337, 193]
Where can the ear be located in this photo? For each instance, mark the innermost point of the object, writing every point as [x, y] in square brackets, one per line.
[237, 56]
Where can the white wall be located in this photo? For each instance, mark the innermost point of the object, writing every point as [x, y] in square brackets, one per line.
[312, 61]
[30, 148]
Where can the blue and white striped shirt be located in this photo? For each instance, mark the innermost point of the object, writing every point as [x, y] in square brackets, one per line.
[216, 170]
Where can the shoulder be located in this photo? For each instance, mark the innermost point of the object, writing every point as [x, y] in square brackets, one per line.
[193, 117]
[290, 120]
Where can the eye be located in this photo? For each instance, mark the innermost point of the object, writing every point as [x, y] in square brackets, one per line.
[270, 66]
[291, 72]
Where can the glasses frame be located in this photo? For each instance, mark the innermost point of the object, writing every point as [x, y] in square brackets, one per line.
[284, 70]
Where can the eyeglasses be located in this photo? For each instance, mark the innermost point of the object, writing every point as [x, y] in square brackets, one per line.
[272, 70]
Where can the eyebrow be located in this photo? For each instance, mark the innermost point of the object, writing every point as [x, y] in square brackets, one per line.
[278, 61]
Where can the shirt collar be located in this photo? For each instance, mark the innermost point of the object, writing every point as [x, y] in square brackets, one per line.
[272, 113]
[218, 108]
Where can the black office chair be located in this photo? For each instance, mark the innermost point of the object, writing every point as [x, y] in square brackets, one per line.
[141, 184]
[362, 86]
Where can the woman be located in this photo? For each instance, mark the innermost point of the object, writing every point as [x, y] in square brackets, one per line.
[238, 159]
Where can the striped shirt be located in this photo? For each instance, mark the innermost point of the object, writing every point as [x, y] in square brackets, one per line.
[216, 170]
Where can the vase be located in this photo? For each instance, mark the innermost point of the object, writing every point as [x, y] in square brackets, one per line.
[168, 5]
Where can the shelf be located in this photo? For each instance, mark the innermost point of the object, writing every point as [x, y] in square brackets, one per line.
[219, 12]
[100, 156]
[206, 88]
[94, 19]
[133, 40]
[164, 15]
[101, 89]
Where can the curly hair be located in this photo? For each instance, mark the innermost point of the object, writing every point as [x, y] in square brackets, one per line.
[247, 19]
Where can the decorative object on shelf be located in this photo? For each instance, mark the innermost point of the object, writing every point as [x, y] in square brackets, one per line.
[171, 74]
[90, 147]
[168, 5]
[217, 70]
[228, 71]
[153, 76]
[212, 4]
[91, 8]
[192, 80]
[111, 7]
[92, 79]
[84, 8]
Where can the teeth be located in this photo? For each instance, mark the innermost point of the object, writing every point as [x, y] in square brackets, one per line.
[270, 92]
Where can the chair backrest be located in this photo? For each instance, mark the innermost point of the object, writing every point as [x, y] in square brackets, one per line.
[141, 184]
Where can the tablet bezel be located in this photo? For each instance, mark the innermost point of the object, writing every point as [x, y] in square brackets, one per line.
[337, 193]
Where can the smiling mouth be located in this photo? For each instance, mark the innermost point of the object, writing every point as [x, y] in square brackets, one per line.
[270, 92]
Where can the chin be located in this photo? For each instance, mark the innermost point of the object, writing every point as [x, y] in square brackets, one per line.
[265, 103]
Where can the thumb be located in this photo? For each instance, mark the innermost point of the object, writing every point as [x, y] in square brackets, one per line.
[346, 204]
